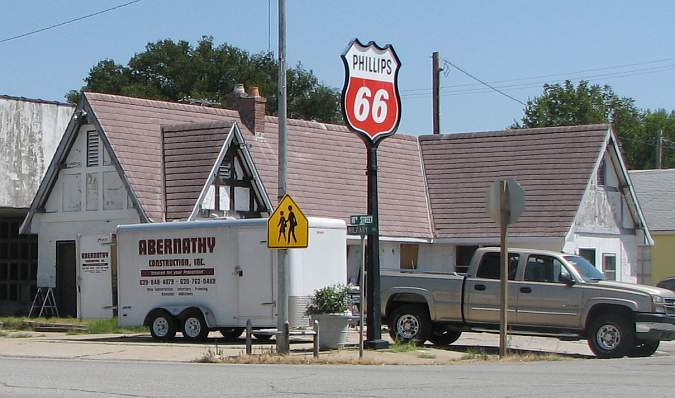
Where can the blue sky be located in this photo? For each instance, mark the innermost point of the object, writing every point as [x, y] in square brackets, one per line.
[494, 40]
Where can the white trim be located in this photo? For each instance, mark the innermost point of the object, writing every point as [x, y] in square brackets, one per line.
[233, 134]
[212, 174]
[393, 239]
[495, 240]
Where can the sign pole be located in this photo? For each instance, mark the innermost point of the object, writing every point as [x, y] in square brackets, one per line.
[374, 319]
[282, 277]
[362, 291]
[503, 302]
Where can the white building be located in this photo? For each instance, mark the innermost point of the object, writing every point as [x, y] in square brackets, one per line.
[128, 160]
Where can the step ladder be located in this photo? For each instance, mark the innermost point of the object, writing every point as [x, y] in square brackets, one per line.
[44, 298]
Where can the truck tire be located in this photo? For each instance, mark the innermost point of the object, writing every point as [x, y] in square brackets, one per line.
[410, 322]
[611, 336]
[443, 337]
[644, 349]
[162, 325]
[194, 326]
[262, 336]
[231, 333]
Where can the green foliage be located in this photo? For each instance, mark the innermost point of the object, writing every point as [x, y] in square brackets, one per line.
[568, 104]
[328, 300]
[400, 346]
[176, 70]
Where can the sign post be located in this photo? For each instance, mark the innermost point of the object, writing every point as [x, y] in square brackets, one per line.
[361, 225]
[505, 202]
[371, 106]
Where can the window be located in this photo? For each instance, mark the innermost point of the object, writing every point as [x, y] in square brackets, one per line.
[588, 254]
[463, 256]
[544, 269]
[92, 149]
[489, 266]
[408, 257]
[602, 172]
[609, 266]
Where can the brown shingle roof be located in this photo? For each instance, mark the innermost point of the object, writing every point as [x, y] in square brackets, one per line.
[190, 151]
[553, 166]
[326, 173]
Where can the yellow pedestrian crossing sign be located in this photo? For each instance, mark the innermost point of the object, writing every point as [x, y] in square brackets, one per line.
[287, 227]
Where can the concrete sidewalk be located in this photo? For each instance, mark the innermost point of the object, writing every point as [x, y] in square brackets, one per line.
[143, 347]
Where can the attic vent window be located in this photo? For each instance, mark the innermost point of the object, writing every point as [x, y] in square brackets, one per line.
[225, 169]
[92, 149]
[602, 171]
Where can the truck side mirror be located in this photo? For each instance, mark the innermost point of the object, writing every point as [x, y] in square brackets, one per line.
[566, 279]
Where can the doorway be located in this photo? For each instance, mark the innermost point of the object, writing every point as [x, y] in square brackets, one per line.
[66, 278]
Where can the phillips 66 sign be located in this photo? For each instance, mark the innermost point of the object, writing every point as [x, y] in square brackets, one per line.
[370, 100]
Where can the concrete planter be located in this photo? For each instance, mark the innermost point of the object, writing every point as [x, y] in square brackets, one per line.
[333, 329]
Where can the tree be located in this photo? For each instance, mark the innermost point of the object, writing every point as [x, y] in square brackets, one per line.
[566, 104]
[174, 71]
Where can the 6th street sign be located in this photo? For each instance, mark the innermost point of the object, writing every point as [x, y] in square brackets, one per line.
[370, 100]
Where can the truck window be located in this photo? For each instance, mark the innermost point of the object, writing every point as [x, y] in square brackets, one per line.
[544, 269]
[489, 266]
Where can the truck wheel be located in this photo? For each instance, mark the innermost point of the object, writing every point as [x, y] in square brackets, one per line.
[262, 337]
[443, 337]
[610, 336]
[194, 327]
[410, 323]
[162, 325]
[644, 349]
[231, 333]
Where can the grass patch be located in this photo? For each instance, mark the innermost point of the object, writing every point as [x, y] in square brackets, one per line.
[475, 354]
[426, 355]
[399, 346]
[88, 326]
[268, 356]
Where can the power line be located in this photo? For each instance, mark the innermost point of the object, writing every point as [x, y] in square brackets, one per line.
[68, 21]
[484, 83]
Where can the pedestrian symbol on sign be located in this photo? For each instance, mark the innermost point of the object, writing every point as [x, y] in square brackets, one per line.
[287, 227]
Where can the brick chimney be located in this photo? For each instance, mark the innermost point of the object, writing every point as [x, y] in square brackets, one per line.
[251, 107]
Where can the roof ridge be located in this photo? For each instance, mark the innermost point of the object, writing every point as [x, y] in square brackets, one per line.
[512, 132]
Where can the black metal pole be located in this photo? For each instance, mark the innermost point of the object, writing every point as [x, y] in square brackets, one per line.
[374, 320]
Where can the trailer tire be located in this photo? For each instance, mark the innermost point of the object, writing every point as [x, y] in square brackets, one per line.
[410, 322]
[443, 337]
[194, 326]
[162, 325]
[262, 336]
[611, 336]
[644, 349]
[231, 333]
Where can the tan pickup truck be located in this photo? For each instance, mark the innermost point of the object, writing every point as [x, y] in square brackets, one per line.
[550, 294]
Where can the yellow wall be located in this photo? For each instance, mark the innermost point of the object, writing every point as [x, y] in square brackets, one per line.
[663, 257]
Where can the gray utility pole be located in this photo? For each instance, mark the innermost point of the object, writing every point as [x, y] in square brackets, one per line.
[659, 148]
[505, 214]
[282, 275]
[436, 72]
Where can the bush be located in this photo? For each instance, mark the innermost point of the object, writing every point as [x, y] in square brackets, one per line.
[328, 300]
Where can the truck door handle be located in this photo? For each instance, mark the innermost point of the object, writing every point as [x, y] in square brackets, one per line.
[526, 290]
[479, 287]
[238, 271]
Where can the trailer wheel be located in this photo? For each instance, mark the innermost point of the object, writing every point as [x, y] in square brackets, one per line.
[231, 333]
[162, 325]
[262, 336]
[194, 326]
[410, 322]
[611, 336]
[644, 349]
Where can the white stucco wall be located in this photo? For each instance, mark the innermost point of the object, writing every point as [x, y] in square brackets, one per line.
[30, 132]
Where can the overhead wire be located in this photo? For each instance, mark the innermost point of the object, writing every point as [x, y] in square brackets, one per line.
[68, 21]
[484, 83]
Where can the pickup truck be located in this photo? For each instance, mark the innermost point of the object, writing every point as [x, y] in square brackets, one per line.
[549, 294]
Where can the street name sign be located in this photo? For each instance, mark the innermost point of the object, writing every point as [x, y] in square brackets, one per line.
[361, 219]
[287, 226]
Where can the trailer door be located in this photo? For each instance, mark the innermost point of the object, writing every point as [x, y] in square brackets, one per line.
[254, 279]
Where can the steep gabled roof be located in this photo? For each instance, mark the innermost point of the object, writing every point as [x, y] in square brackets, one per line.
[553, 166]
[656, 192]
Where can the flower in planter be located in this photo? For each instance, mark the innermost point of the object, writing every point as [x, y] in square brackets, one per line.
[329, 300]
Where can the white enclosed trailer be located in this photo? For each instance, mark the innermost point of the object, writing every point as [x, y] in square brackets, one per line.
[198, 276]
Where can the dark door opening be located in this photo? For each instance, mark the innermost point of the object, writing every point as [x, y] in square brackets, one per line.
[66, 278]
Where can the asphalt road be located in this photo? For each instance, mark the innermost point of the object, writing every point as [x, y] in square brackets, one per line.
[648, 377]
